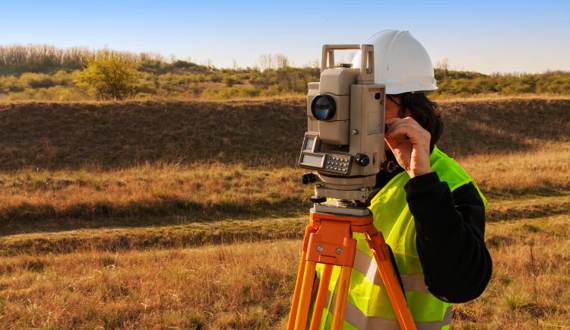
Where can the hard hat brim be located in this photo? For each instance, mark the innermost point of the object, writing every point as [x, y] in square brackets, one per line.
[400, 89]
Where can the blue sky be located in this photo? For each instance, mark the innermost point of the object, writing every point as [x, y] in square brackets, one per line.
[485, 36]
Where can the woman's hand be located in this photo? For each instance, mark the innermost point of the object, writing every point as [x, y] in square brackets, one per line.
[410, 144]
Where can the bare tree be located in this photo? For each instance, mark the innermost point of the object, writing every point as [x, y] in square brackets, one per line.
[313, 64]
[270, 61]
[265, 62]
[443, 65]
[281, 61]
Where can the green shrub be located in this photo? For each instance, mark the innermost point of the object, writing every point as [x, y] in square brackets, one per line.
[110, 76]
[229, 81]
[231, 92]
[37, 80]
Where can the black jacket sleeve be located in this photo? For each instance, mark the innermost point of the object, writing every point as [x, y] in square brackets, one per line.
[450, 238]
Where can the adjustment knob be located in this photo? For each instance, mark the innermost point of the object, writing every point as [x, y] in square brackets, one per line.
[362, 159]
[309, 178]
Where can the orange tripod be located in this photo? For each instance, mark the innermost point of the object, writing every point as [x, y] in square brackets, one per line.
[328, 240]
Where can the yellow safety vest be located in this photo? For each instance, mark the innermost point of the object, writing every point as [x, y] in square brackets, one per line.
[368, 306]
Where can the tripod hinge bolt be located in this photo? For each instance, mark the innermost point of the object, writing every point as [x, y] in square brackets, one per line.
[338, 251]
[320, 248]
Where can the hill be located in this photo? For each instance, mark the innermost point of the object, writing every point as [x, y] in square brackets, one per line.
[139, 164]
[253, 133]
[46, 73]
[111, 135]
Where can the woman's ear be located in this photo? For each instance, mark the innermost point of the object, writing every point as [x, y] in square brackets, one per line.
[402, 113]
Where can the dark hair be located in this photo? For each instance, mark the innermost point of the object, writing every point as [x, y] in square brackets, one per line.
[424, 111]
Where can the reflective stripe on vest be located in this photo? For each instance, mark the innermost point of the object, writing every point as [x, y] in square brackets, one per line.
[368, 306]
[367, 265]
[355, 318]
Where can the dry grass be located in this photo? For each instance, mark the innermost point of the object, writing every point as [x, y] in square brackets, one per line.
[214, 288]
[206, 233]
[180, 232]
[99, 202]
[152, 237]
[145, 195]
[531, 281]
[542, 170]
[175, 288]
[153, 195]
[497, 97]
[529, 206]
[497, 127]
[119, 135]
[115, 135]
[176, 206]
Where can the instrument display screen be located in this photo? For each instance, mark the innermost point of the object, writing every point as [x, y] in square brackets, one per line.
[310, 143]
[313, 160]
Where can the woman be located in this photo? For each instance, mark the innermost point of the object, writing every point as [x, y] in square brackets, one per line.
[428, 208]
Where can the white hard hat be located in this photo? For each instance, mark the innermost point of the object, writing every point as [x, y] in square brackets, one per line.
[401, 63]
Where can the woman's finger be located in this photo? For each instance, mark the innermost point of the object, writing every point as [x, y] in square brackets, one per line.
[406, 121]
[390, 143]
[401, 153]
[415, 133]
[411, 121]
[394, 124]
[404, 132]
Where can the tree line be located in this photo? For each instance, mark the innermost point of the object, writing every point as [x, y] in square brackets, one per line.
[48, 73]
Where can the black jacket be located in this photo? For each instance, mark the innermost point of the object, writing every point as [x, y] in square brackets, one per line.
[450, 231]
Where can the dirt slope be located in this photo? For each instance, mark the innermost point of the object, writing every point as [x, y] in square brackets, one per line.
[113, 135]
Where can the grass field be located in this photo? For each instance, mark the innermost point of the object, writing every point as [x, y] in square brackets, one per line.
[213, 287]
[106, 224]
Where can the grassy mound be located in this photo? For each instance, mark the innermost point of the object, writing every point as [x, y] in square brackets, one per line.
[118, 135]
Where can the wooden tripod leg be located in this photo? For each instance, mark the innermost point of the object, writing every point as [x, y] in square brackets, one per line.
[305, 298]
[389, 278]
[321, 297]
[341, 298]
